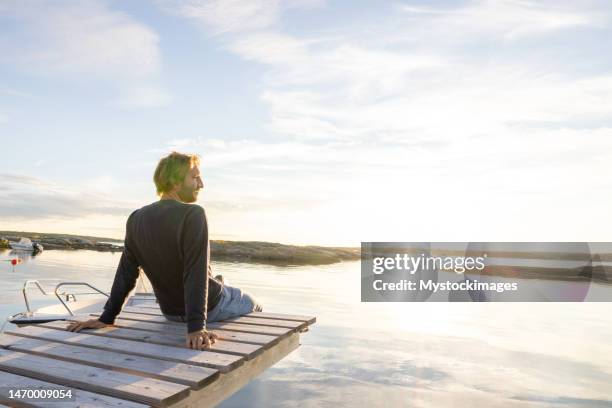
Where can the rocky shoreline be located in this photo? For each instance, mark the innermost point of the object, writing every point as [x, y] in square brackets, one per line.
[62, 241]
[230, 251]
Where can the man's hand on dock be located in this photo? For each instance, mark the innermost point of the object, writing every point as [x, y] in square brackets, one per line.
[201, 339]
[87, 324]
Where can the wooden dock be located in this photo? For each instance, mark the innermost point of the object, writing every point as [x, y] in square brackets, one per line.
[142, 360]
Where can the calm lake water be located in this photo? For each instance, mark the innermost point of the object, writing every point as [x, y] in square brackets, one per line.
[398, 354]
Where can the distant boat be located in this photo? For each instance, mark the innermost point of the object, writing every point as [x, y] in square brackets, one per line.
[25, 244]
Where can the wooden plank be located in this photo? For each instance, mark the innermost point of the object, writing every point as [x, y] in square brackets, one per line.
[153, 308]
[145, 318]
[193, 376]
[280, 316]
[143, 299]
[272, 319]
[249, 338]
[147, 295]
[263, 329]
[151, 326]
[266, 330]
[169, 339]
[143, 310]
[267, 322]
[115, 384]
[219, 361]
[148, 305]
[140, 302]
[227, 384]
[84, 399]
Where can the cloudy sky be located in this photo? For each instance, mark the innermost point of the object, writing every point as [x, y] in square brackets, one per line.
[317, 122]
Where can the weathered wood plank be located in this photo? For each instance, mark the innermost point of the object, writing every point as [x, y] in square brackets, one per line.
[141, 298]
[148, 305]
[153, 308]
[180, 329]
[193, 376]
[143, 310]
[263, 329]
[115, 384]
[145, 318]
[147, 295]
[219, 361]
[169, 339]
[281, 316]
[141, 301]
[266, 330]
[82, 399]
[267, 322]
[276, 319]
[249, 338]
[144, 298]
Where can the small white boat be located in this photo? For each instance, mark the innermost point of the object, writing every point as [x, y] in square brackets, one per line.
[25, 244]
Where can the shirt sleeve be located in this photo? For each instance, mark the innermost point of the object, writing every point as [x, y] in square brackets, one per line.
[196, 256]
[125, 281]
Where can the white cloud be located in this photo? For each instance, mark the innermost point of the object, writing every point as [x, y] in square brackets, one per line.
[230, 15]
[367, 72]
[84, 39]
[143, 97]
[508, 19]
[26, 197]
[15, 92]
[428, 114]
[80, 37]
[271, 48]
[224, 16]
[222, 154]
[355, 88]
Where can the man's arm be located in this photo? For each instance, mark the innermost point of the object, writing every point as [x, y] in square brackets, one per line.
[194, 244]
[125, 280]
[196, 257]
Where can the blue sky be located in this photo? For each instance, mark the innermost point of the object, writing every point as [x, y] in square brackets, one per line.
[317, 122]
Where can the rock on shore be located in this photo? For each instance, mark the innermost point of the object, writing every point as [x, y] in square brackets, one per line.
[274, 253]
[232, 251]
[62, 241]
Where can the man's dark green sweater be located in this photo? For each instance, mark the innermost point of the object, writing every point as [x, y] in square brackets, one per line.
[169, 240]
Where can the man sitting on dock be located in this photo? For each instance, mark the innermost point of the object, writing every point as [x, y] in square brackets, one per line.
[169, 241]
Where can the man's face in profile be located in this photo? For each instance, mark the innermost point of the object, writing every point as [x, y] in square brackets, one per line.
[188, 192]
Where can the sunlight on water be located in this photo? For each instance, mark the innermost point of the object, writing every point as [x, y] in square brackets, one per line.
[392, 354]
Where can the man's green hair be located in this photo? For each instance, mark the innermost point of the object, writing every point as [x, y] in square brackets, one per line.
[172, 169]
